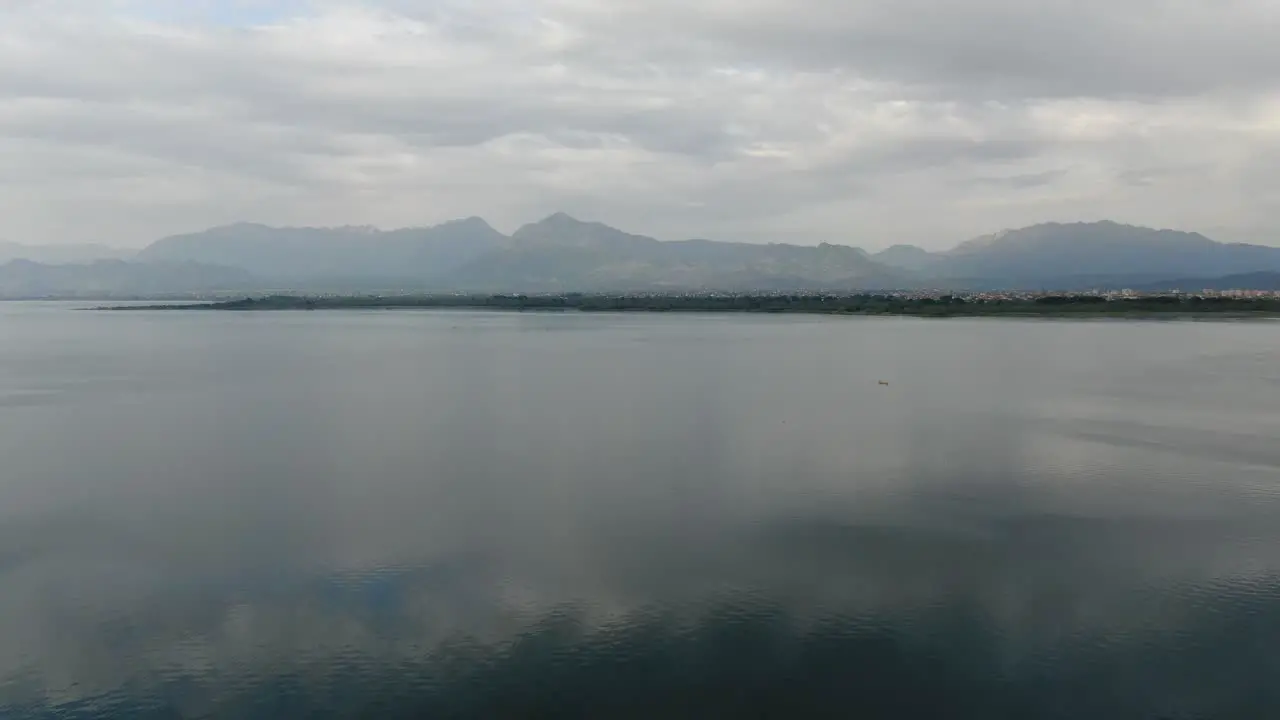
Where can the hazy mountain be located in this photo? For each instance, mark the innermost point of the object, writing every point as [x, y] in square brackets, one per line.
[1105, 248]
[1264, 280]
[908, 257]
[557, 253]
[342, 254]
[101, 278]
[562, 253]
[1083, 254]
[82, 253]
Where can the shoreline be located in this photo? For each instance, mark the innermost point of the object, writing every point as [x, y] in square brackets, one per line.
[1051, 307]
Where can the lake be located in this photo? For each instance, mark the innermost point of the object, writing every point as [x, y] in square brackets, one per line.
[469, 514]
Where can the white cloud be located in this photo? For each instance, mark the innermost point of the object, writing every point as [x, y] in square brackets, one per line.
[862, 122]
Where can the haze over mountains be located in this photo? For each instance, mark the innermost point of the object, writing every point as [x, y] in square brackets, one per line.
[560, 254]
[60, 254]
[1085, 254]
[107, 278]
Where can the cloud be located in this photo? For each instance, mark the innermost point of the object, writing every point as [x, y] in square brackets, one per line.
[989, 48]
[861, 122]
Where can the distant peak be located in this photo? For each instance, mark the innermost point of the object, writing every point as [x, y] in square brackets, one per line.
[231, 230]
[473, 221]
[1094, 232]
[561, 217]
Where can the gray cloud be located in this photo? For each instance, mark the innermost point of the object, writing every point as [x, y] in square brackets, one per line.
[862, 122]
[1005, 48]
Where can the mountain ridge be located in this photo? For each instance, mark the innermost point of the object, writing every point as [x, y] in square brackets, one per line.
[57, 254]
[110, 277]
[562, 253]
[1047, 251]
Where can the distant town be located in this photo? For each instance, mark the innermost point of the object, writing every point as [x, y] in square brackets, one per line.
[1123, 294]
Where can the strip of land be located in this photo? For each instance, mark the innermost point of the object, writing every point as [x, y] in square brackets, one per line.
[1167, 306]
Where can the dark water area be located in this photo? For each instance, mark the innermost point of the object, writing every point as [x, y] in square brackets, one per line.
[467, 514]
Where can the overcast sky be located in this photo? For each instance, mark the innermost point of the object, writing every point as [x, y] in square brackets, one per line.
[866, 122]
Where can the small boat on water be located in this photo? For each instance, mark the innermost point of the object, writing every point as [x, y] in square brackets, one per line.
[884, 382]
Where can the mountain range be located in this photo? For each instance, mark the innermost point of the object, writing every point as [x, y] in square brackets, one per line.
[1074, 255]
[60, 254]
[117, 278]
[560, 253]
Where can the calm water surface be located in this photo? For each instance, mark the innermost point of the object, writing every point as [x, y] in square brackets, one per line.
[458, 514]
